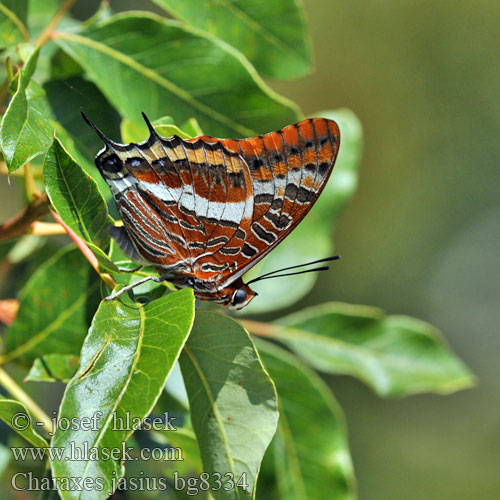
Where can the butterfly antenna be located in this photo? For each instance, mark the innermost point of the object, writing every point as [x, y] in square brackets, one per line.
[152, 130]
[97, 131]
[260, 278]
[272, 274]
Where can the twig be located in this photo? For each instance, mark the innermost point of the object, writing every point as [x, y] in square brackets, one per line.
[258, 328]
[46, 228]
[37, 173]
[13, 388]
[22, 222]
[88, 254]
[47, 31]
[29, 181]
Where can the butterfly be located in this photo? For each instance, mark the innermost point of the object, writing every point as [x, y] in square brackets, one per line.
[204, 211]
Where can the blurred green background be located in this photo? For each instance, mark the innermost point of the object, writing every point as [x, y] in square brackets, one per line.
[422, 236]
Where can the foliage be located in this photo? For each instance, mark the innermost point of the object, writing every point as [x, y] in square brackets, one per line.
[241, 409]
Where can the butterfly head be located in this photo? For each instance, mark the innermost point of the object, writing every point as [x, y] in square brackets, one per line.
[235, 296]
[238, 295]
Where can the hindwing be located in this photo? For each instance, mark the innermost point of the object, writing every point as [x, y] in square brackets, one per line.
[289, 168]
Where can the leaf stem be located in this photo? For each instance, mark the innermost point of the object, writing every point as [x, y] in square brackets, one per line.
[83, 247]
[15, 390]
[29, 180]
[46, 34]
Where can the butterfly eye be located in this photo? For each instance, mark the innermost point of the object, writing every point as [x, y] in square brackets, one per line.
[111, 164]
[190, 282]
[239, 297]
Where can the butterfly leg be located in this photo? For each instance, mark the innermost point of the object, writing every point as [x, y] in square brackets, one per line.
[131, 271]
[113, 296]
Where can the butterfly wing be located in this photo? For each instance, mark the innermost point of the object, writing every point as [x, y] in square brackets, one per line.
[218, 205]
[180, 199]
[289, 168]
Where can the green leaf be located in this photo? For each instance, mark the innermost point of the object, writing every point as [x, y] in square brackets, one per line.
[25, 131]
[310, 447]
[178, 71]
[192, 128]
[105, 263]
[18, 418]
[272, 35]
[66, 97]
[75, 196]
[394, 355]
[232, 400]
[56, 305]
[12, 23]
[312, 239]
[125, 361]
[18, 7]
[184, 439]
[53, 368]
[134, 131]
[40, 13]
[56, 106]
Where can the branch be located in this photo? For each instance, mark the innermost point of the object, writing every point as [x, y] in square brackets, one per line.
[37, 174]
[46, 228]
[21, 223]
[258, 327]
[45, 35]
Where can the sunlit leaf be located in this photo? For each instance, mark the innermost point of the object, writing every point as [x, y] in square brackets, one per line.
[125, 361]
[232, 400]
[164, 126]
[272, 35]
[57, 304]
[395, 355]
[176, 71]
[310, 448]
[75, 196]
[25, 132]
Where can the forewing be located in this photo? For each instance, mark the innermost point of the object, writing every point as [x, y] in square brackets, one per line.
[180, 200]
